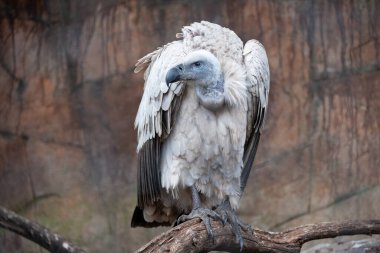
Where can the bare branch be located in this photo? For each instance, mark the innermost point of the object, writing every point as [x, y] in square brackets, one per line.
[192, 236]
[36, 233]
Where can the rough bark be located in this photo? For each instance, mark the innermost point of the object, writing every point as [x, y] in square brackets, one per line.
[192, 237]
[36, 233]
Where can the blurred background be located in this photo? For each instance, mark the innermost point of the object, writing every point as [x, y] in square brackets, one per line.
[68, 99]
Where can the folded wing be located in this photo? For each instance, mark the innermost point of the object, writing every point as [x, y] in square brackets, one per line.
[257, 68]
[155, 118]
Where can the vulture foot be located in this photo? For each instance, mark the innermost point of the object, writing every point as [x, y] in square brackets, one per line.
[204, 214]
[228, 215]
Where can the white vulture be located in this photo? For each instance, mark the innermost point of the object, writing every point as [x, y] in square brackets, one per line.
[199, 124]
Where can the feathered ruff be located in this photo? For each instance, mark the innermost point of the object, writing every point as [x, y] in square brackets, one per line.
[221, 41]
[235, 88]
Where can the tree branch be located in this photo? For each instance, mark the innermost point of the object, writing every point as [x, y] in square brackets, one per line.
[36, 233]
[192, 236]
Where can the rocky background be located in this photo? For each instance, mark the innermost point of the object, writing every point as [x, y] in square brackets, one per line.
[68, 98]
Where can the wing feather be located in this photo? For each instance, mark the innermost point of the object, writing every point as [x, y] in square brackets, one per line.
[155, 118]
[257, 67]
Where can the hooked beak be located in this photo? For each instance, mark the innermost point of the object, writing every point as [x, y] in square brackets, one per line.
[174, 74]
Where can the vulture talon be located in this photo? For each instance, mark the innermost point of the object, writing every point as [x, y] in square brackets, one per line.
[246, 227]
[229, 216]
[199, 212]
[204, 214]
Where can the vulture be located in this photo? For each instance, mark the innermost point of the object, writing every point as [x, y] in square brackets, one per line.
[199, 124]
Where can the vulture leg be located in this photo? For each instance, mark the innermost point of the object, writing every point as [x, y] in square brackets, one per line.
[199, 212]
[229, 215]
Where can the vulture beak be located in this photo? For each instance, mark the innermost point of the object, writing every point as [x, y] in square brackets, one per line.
[174, 74]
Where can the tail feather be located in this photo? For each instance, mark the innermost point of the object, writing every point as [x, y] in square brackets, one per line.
[139, 221]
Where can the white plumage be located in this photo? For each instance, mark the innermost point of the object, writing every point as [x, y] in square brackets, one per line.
[186, 136]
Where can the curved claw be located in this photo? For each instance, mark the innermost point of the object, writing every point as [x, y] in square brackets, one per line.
[229, 216]
[246, 227]
[204, 214]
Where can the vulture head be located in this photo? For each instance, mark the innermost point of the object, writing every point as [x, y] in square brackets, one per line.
[202, 70]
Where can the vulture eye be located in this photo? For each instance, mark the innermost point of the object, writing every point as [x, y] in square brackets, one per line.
[197, 64]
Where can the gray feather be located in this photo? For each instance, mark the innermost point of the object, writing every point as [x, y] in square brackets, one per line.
[149, 174]
[257, 67]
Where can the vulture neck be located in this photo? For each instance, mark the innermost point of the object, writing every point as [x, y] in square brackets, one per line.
[210, 92]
